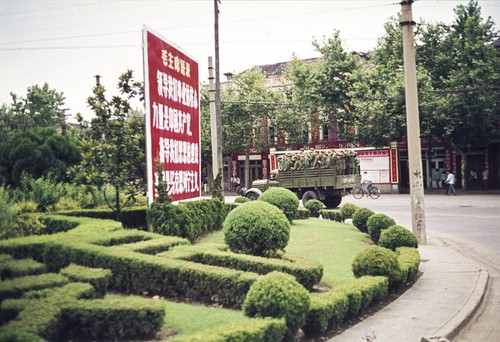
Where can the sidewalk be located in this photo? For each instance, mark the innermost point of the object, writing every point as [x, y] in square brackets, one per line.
[435, 308]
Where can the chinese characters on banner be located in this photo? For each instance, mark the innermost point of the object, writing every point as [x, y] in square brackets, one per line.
[172, 117]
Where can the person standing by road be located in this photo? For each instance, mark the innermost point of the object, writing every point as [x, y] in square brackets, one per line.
[450, 180]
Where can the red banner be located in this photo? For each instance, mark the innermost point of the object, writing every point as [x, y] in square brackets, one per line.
[172, 117]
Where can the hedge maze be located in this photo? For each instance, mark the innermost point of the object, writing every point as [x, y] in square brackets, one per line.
[89, 279]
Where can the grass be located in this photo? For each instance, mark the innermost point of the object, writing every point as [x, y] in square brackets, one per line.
[186, 318]
[333, 244]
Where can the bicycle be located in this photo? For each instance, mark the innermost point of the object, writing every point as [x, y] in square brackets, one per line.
[373, 192]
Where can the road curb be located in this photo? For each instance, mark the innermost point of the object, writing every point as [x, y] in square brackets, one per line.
[451, 329]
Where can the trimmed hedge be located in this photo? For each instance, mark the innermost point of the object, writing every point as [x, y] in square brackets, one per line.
[257, 228]
[97, 277]
[307, 272]
[10, 267]
[376, 260]
[111, 318]
[314, 206]
[135, 217]
[409, 261]
[330, 309]
[282, 198]
[378, 222]
[255, 330]
[189, 220]
[302, 214]
[278, 295]
[397, 236]
[59, 314]
[360, 218]
[348, 209]
[332, 214]
[15, 287]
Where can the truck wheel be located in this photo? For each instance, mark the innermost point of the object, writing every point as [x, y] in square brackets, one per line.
[308, 195]
[252, 196]
[332, 201]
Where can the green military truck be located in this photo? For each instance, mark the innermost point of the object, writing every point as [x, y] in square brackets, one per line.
[313, 183]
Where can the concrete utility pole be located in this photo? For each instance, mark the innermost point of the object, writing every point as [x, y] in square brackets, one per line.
[413, 125]
[216, 159]
[215, 105]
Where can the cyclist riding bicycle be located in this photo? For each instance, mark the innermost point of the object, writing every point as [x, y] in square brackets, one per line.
[366, 183]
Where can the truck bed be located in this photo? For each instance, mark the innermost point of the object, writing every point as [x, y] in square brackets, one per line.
[317, 178]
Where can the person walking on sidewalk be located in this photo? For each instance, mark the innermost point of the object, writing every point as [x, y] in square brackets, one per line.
[450, 181]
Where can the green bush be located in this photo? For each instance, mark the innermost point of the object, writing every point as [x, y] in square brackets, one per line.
[30, 225]
[241, 199]
[278, 295]
[397, 236]
[66, 203]
[302, 214]
[45, 191]
[409, 260]
[314, 207]
[24, 207]
[7, 215]
[189, 220]
[333, 215]
[348, 210]
[135, 217]
[378, 222]
[284, 199]
[375, 261]
[256, 228]
[360, 218]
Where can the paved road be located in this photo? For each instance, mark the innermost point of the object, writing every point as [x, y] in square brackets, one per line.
[468, 223]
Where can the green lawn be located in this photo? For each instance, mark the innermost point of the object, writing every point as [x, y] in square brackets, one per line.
[333, 244]
[191, 318]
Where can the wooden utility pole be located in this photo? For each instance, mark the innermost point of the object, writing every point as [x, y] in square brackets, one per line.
[413, 125]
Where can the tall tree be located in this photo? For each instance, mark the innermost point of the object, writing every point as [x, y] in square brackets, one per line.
[320, 87]
[378, 93]
[38, 151]
[42, 107]
[113, 153]
[467, 102]
[247, 105]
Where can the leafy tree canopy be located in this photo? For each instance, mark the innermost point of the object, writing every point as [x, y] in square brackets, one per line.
[38, 151]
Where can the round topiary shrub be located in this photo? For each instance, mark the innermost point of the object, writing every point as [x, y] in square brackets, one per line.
[360, 217]
[241, 199]
[377, 261]
[284, 199]
[378, 222]
[314, 206]
[278, 295]
[348, 209]
[397, 236]
[256, 228]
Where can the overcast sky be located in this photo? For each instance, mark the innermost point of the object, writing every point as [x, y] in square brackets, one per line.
[66, 42]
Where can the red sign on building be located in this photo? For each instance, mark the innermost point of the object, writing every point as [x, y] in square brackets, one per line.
[172, 117]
